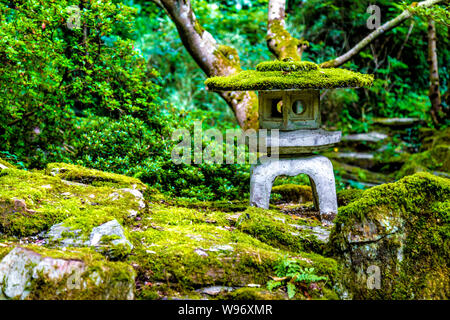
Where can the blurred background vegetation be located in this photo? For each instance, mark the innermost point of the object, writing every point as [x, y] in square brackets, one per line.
[108, 95]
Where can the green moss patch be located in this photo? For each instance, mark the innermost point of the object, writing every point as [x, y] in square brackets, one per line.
[286, 66]
[31, 202]
[435, 156]
[301, 75]
[93, 177]
[181, 249]
[95, 278]
[254, 294]
[344, 197]
[180, 246]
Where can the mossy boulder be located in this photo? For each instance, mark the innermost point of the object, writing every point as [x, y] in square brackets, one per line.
[394, 241]
[108, 238]
[33, 272]
[178, 249]
[32, 202]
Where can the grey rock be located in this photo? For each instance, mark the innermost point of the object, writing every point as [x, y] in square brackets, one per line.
[65, 236]
[201, 252]
[398, 122]
[360, 159]
[111, 228]
[214, 290]
[21, 266]
[321, 233]
[195, 237]
[68, 237]
[132, 213]
[137, 194]
[72, 183]
[115, 196]
[283, 220]
[355, 155]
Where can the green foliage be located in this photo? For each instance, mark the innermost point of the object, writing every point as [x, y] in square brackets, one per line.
[439, 13]
[87, 96]
[398, 61]
[289, 273]
[90, 96]
[52, 74]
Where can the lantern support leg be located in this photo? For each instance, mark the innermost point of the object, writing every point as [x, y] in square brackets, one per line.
[318, 168]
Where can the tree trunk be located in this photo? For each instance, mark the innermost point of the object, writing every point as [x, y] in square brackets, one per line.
[214, 59]
[434, 94]
[279, 40]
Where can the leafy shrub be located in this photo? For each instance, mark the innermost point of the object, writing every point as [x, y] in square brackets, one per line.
[87, 96]
[51, 74]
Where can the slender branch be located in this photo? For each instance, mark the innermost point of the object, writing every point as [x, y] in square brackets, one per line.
[434, 93]
[411, 27]
[375, 34]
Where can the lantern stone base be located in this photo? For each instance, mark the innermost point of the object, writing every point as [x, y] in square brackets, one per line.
[290, 143]
[318, 168]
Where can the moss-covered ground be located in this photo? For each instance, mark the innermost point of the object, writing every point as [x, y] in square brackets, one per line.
[183, 248]
[180, 246]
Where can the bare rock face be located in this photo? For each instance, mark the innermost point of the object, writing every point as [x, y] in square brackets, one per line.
[394, 241]
[109, 229]
[25, 273]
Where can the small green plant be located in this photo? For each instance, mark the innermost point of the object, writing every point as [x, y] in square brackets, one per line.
[290, 274]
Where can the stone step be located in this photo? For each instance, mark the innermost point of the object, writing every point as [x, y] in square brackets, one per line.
[361, 159]
[364, 141]
[365, 137]
[398, 122]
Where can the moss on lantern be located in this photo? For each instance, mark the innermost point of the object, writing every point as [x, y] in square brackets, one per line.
[286, 66]
[285, 75]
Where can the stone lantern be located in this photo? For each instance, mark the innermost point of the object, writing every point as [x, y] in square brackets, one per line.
[289, 101]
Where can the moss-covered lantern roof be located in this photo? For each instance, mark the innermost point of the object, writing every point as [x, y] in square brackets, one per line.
[285, 75]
